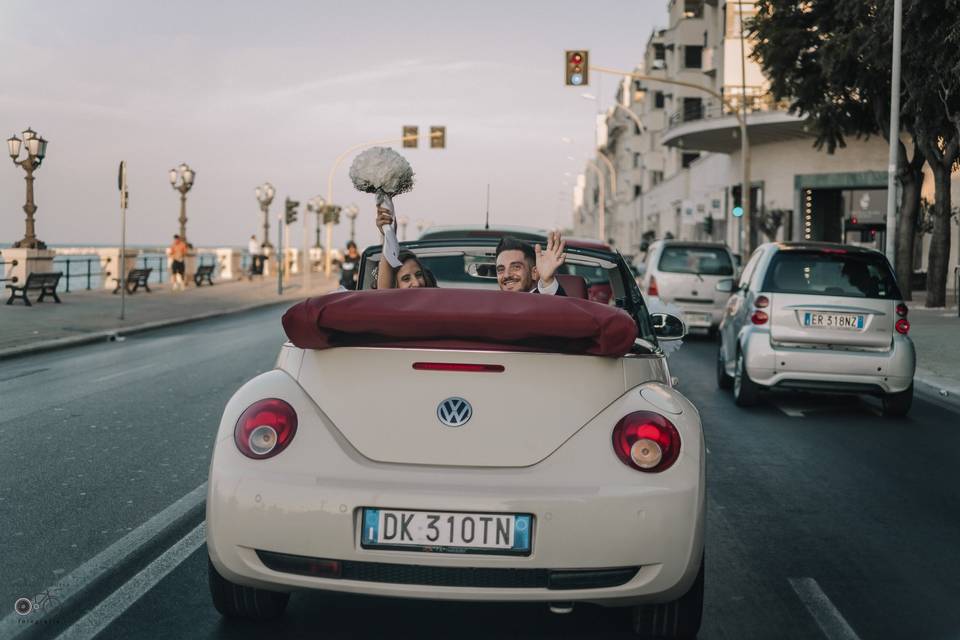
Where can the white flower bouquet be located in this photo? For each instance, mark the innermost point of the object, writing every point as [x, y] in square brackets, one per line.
[386, 173]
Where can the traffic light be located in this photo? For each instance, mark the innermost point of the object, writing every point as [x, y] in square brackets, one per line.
[410, 135]
[331, 214]
[291, 207]
[438, 137]
[577, 67]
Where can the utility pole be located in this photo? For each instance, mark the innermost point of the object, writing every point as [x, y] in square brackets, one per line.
[891, 235]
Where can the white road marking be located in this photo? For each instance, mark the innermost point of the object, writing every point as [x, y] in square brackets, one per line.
[112, 556]
[100, 617]
[827, 616]
[124, 373]
[792, 412]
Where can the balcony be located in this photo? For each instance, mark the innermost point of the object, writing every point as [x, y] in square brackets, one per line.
[714, 127]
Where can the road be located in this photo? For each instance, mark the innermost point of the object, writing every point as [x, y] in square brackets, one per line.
[824, 519]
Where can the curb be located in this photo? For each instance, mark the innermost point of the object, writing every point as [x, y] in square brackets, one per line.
[109, 334]
[938, 390]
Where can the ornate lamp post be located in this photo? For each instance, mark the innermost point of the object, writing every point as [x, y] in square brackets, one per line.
[316, 205]
[265, 193]
[36, 151]
[420, 225]
[403, 221]
[181, 179]
[352, 212]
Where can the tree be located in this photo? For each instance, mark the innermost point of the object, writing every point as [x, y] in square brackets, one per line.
[831, 60]
[931, 64]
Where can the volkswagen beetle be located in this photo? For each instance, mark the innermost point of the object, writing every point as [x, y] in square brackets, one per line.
[462, 443]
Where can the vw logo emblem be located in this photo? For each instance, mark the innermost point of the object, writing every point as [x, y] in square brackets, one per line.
[454, 412]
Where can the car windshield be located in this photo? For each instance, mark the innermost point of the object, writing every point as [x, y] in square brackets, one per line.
[592, 274]
[713, 261]
[831, 273]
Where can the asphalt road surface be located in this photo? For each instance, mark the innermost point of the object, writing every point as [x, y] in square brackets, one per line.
[825, 520]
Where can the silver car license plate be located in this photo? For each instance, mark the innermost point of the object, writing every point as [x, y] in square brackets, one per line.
[851, 321]
[446, 532]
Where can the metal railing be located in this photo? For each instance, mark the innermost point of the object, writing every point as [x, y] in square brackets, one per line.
[711, 109]
[87, 273]
[4, 264]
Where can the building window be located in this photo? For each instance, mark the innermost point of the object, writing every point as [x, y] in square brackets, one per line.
[658, 100]
[659, 53]
[656, 177]
[693, 56]
[692, 8]
[636, 161]
[692, 109]
[637, 191]
[688, 159]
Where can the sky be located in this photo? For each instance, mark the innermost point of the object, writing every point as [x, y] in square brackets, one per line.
[247, 92]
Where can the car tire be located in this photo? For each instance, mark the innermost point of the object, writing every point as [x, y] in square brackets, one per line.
[897, 405]
[236, 601]
[745, 390]
[677, 620]
[724, 381]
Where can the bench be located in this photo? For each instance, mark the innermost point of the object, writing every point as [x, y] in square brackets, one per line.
[204, 273]
[135, 279]
[45, 283]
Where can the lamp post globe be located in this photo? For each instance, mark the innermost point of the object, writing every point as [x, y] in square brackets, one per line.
[181, 179]
[352, 212]
[36, 150]
[317, 205]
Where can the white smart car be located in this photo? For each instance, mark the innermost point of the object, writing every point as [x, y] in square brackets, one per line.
[458, 443]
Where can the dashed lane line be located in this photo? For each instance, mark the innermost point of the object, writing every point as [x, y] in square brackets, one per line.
[101, 616]
[113, 556]
[827, 616]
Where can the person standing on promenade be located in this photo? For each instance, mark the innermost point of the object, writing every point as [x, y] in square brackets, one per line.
[178, 266]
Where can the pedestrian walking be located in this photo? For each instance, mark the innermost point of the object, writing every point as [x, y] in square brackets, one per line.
[256, 257]
[178, 266]
[350, 267]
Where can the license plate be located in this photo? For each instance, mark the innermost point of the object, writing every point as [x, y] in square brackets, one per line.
[446, 532]
[850, 321]
[697, 318]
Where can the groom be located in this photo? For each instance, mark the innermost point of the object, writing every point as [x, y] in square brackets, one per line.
[520, 267]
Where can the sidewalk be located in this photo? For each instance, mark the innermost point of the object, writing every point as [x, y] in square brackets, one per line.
[936, 336]
[91, 316]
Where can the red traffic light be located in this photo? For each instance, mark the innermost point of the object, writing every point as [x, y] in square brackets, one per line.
[576, 58]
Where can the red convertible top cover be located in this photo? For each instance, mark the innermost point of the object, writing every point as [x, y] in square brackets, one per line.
[460, 319]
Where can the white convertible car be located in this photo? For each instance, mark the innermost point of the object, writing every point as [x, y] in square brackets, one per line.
[460, 443]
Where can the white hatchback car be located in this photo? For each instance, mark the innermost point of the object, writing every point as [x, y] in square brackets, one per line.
[464, 444]
[817, 317]
[691, 275]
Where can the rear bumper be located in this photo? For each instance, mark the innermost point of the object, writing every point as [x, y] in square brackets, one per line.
[829, 370]
[590, 512]
[701, 316]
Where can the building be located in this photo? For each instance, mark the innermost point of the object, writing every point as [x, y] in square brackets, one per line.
[679, 175]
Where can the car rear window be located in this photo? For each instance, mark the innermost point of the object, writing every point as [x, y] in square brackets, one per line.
[713, 261]
[831, 273]
[592, 274]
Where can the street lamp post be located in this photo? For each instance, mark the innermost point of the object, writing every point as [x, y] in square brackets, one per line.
[265, 193]
[352, 212]
[36, 152]
[403, 221]
[420, 225]
[316, 205]
[181, 179]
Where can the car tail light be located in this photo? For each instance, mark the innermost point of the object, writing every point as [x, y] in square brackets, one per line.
[652, 287]
[762, 302]
[759, 317]
[646, 441]
[902, 326]
[902, 310]
[265, 428]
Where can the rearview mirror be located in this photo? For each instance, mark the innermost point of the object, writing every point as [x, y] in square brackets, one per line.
[725, 285]
[667, 327]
